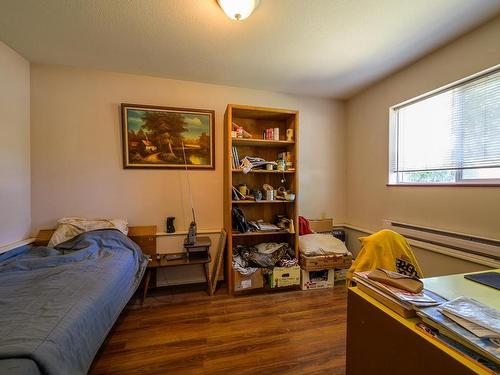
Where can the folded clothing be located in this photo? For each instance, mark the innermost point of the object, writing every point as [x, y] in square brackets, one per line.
[70, 227]
[321, 244]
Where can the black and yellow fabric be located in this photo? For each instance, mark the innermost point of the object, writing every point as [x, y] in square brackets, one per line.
[388, 250]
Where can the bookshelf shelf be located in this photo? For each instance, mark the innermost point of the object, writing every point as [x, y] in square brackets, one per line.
[255, 120]
[263, 171]
[262, 233]
[260, 142]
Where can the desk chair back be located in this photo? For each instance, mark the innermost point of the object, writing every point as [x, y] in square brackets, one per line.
[388, 250]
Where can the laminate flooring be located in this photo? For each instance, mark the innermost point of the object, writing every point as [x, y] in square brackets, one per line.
[184, 331]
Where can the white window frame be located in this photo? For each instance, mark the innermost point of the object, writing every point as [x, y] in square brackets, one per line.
[394, 178]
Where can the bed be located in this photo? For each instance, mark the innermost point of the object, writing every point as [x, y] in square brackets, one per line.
[58, 304]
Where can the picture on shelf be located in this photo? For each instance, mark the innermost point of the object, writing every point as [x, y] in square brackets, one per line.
[158, 137]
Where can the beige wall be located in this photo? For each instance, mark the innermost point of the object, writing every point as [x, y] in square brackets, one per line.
[15, 146]
[474, 210]
[77, 158]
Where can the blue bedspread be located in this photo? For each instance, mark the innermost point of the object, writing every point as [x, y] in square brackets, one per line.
[58, 304]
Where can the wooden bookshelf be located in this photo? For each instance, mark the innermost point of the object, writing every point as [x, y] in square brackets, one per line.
[254, 120]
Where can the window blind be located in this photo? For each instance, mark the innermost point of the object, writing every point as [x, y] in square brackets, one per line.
[457, 128]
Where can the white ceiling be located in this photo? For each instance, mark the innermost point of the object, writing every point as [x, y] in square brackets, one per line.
[324, 48]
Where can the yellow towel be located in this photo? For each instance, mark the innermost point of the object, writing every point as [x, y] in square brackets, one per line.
[388, 250]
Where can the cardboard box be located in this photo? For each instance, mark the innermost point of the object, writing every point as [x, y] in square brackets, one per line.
[284, 276]
[340, 274]
[253, 281]
[324, 262]
[317, 279]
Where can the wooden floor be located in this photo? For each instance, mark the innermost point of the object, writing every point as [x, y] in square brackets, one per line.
[291, 332]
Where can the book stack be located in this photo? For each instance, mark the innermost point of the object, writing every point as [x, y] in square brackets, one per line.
[401, 301]
[235, 158]
[468, 327]
[271, 134]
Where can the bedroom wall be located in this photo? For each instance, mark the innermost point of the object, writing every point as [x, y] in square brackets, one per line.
[15, 147]
[473, 210]
[77, 158]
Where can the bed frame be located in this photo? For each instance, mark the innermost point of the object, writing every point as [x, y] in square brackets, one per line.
[144, 236]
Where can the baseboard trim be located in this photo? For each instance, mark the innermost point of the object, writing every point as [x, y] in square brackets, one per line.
[16, 244]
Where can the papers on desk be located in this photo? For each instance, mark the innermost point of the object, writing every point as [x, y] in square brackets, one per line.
[487, 347]
[479, 319]
[414, 299]
[402, 302]
[463, 320]
[470, 326]
[463, 324]
[469, 323]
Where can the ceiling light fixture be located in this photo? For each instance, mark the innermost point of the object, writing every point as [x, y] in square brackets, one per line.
[238, 9]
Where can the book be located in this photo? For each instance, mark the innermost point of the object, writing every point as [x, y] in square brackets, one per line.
[237, 157]
[402, 309]
[458, 348]
[233, 164]
[489, 348]
[237, 195]
[470, 326]
[473, 314]
[422, 299]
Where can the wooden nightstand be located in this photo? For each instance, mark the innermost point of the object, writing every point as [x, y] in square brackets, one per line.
[186, 258]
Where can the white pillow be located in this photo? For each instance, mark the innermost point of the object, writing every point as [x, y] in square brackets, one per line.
[70, 227]
[321, 244]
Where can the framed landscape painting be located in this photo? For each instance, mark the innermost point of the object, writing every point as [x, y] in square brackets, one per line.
[158, 137]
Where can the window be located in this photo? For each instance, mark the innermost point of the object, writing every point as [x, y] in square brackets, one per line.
[448, 136]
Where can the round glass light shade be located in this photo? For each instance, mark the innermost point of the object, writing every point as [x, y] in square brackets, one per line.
[238, 9]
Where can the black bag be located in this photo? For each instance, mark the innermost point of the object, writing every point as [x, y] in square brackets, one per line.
[239, 221]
